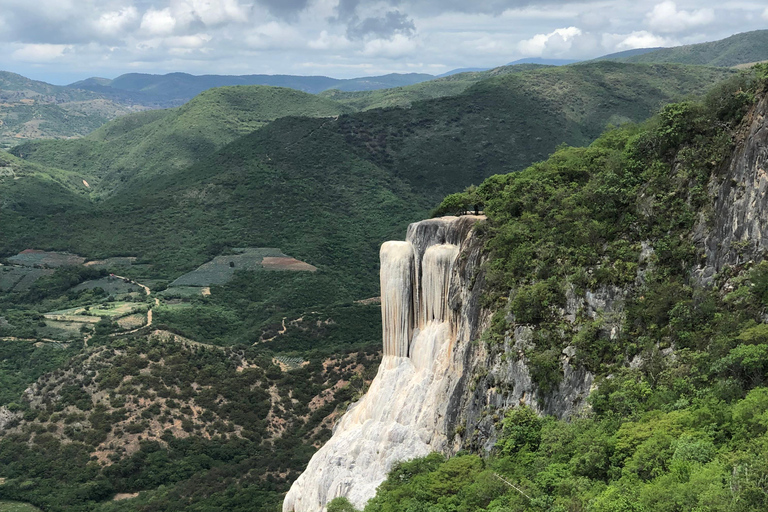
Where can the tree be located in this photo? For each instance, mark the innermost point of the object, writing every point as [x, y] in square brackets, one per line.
[341, 504]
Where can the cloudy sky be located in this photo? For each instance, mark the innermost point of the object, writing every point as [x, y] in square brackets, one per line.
[65, 40]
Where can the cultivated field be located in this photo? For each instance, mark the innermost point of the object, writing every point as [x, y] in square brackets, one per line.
[19, 279]
[222, 268]
[33, 257]
[111, 285]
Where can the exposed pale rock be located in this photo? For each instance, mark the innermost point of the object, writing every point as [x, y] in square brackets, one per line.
[738, 228]
[407, 408]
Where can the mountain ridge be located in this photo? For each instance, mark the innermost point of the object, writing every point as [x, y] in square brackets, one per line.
[743, 48]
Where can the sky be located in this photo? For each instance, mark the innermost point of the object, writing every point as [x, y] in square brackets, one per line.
[61, 41]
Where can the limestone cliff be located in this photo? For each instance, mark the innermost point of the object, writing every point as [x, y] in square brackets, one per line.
[411, 406]
[735, 230]
[436, 382]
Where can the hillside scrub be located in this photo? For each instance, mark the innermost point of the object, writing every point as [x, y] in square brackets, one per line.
[190, 426]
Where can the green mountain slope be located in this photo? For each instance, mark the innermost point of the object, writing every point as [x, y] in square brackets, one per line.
[326, 190]
[406, 95]
[37, 203]
[175, 89]
[500, 124]
[30, 109]
[749, 47]
[507, 122]
[157, 142]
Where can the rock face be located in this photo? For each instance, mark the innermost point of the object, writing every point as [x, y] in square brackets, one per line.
[429, 308]
[7, 418]
[738, 228]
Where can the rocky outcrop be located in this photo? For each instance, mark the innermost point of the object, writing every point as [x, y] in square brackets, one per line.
[8, 419]
[439, 387]
[411, 406]
[737, 228]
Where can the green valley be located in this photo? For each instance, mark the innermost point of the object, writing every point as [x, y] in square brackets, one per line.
[189, 297]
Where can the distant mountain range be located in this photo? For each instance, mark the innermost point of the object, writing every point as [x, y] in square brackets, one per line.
[32, 109]
[177, 88]
[529, 60]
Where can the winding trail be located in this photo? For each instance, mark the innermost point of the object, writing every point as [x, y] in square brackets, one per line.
[88, 336]
[149, 311]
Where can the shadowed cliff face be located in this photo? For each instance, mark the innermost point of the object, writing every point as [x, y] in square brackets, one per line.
[738, 228]
[429, 308]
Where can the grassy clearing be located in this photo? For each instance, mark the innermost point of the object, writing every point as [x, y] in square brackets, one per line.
[132, 321]
[107, 309]
[17, 506]
[64, 328]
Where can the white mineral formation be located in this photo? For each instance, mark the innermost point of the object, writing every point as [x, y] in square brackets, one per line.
[402, 415]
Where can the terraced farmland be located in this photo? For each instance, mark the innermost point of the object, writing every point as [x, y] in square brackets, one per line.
[222, 269]
[18, 278]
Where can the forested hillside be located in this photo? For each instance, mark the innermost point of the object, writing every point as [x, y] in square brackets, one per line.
[153, 143]
[745, 48]
[677, 417]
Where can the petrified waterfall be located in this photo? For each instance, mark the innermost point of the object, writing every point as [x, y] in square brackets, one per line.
[397, 274]
[405, 412]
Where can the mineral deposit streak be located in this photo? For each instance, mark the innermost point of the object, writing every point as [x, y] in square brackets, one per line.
[402, 415]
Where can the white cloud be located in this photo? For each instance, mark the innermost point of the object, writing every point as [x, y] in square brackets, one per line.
[210, 12]
[637, 39]
[39, 52]
[666, 18]
[114, 22]
[106, 37]
[397, 47]
[189, 42]
[274, 36]
[158, 23]
[328, 41]
[554, 43]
